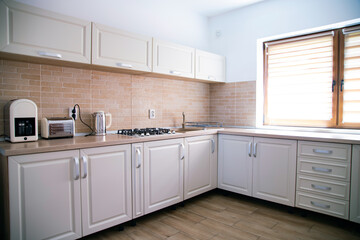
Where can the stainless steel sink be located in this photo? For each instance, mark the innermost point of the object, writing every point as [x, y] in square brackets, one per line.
[188, 129]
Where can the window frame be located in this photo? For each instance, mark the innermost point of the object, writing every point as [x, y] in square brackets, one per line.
[337, 74]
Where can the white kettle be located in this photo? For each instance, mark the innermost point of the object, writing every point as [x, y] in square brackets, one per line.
[102, 121]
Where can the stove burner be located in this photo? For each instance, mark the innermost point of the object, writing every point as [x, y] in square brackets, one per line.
[144, 131]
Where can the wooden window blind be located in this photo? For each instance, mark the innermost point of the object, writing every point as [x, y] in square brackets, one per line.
[349, 97]
[298, 87]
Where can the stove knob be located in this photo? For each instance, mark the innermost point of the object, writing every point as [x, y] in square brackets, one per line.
[173, 132]
[142, 135]
[147, 134]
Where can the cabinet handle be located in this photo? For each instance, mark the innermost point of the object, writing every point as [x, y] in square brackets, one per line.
[174, 72]
[320, 205]
[212, 145]
[84, 160]
[182, 154]
[320, 169]
[211, 78]
[48, 54]
[76, 169]
[320, 187]
[321, 151]
[124, 65]
[138, 155]
[255, 149]
[249, 150]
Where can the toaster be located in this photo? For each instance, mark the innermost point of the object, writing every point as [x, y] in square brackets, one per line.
[57, 127]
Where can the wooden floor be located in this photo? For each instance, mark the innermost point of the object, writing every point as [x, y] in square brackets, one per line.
[217, 216]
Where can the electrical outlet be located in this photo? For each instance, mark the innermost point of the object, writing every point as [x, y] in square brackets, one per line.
[71, 112]
[151, 113]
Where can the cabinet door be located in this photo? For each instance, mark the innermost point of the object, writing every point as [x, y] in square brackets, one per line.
[105, 186]
[355, 185]
[209, 66]
[274, 170]
[115, 48]
[173, 59]
[163, 173]
[36, 32]
[45, 196]
[200, 174]
[235, 166]
[137, 151]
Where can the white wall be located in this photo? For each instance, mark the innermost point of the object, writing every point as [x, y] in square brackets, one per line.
[241, 28]
[148, 17]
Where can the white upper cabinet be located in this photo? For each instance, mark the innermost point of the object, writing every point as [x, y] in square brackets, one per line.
[115, 48]
[209, 66]
[35, 32]
[173, 59]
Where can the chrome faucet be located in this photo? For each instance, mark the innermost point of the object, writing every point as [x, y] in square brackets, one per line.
[183, 123]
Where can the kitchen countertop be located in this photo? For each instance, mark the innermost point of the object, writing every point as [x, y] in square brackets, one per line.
[43, 145]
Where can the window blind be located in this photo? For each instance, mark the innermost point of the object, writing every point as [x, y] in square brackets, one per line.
[351, 84]
[298, 85]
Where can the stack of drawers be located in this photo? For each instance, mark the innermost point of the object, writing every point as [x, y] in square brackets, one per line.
[323, 178]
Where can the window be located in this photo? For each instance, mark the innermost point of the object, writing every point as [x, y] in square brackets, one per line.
[313, 80]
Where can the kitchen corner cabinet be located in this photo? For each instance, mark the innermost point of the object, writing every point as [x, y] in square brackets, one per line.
[116, 48]
[264, 168]
[163, 173]
[355, 185]
[200, 173]
[209, 66]
[173, 59]
[45, 197]
[31, 31]
[105, 187]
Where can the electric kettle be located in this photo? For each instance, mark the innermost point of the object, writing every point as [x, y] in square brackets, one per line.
[100, 118]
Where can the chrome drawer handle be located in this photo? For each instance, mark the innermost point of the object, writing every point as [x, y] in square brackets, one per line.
[320, 205]
[321, 151]
[174, 72]
[124, 65]
[76, 168]
[320, 187]
[319, 169]
[212, 145]
[49, 54]
[138, 156]
[249, 150]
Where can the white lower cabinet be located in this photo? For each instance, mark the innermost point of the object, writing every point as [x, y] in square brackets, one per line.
[260, 167]
[163, 173]
[200, 173]
[323, 178]
[45, 197]
[355, 185]
[105, 187]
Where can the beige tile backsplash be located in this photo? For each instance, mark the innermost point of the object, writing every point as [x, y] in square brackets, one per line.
[127, 97]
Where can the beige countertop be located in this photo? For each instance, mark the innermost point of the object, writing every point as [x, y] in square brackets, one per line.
[43, 145]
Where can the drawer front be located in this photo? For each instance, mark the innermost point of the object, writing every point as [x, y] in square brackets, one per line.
[324, 205]
[334, 151]
[324, 169]
[324, 187]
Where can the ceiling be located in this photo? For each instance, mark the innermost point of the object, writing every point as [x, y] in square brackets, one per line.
[212, 8]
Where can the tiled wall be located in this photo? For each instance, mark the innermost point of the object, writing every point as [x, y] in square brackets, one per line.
[233, 103]
[127, 97]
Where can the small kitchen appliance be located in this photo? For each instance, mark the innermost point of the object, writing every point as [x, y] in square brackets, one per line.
[100, 118]
[57, 127]
[20, 121]
[142, 132]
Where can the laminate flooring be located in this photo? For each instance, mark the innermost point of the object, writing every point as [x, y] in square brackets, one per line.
[221, 215]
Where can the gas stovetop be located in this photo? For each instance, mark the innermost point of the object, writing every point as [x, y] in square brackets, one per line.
[142, 132]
